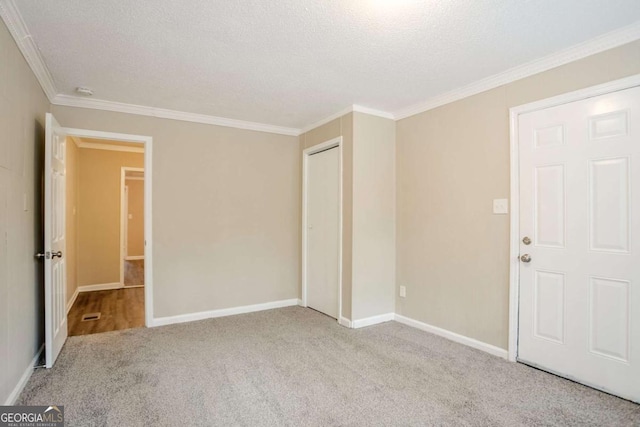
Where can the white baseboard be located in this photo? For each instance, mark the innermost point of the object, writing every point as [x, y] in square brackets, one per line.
[73, 299]
[24, 379]
[491, 349]
[191, 317]
[344, 322]
[373, 320]
[134, 257]
[100, 287]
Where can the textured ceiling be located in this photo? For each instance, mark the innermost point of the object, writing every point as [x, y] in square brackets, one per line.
[293, 62]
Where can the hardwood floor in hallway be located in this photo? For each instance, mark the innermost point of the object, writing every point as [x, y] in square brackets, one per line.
[118, 308]
[134, 272]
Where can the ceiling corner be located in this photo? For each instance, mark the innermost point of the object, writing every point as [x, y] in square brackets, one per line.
[20, 33]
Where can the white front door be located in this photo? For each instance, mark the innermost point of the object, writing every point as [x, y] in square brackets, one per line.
[579, 309]
[55, 274]
[323, 216]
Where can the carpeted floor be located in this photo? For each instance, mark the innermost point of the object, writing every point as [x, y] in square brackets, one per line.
[296, 367]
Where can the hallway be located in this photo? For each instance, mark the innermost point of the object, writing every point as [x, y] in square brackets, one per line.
[118, 308]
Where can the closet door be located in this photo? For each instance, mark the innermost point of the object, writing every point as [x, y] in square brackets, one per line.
[323, 216]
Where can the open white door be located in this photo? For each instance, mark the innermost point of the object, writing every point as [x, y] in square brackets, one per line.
[55, 273]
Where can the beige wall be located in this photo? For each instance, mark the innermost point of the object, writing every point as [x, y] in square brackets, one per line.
[226, 211]
[135, 224]
[452, 252]
[99, 213]
[374, 216]
[22, 111]
[72, 208]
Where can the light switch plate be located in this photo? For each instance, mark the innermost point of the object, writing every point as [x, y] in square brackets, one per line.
[403, 291]
[500, 206]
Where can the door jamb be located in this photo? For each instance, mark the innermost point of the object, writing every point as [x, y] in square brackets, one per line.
[147, 142]
[124, 215]
[335, 142]
[514, 243]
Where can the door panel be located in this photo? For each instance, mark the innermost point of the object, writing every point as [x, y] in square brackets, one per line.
[323, 216]
[54, 241]
[579, 309]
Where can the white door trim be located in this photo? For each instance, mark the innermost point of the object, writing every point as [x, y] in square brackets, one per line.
[514, 249]
[335, 142]
[147, 142]
[124, 215]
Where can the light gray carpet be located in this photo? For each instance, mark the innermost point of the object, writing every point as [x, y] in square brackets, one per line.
[296, 367]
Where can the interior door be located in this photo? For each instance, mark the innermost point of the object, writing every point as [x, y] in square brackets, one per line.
[323, 216]
[579, 312]
[54, 241]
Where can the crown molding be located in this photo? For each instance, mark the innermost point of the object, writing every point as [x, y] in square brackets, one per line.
[109, 147]
[599, 44]
[120, 107]
[365, 110]
[18, 29]
[351, 109]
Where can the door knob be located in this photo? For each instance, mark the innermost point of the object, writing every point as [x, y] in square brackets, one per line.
[56, 254]
[42, 255]
[525, 258]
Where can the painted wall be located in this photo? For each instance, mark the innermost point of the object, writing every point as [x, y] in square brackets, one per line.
[452, 252]
[22, 111]
[135, 224]
[99, 213]
[72, 209]
[374, 216]
[226, 211]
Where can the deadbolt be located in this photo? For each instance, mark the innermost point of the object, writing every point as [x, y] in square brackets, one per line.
[525, 258]
[526, 240]
[56, 254]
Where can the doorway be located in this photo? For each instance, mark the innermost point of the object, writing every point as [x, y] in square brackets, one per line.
[131, 226]
[322, 228]
[575, 259]
[59, 220]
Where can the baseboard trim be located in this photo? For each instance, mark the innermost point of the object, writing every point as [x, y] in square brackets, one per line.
[73, 299]
[24, 379]
[461, 339]
[191, 317]
[100, 287]
[344, 322]
[134, 257]
[373, 320]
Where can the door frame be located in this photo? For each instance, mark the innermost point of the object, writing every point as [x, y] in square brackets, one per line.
[147, 142]
[332, 143]
[124, 211]
[514, 241]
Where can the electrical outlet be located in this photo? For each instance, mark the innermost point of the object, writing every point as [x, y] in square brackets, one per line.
[403, 291]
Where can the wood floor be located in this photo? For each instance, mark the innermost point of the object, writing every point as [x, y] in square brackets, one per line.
[134, 272]
[119, 309]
